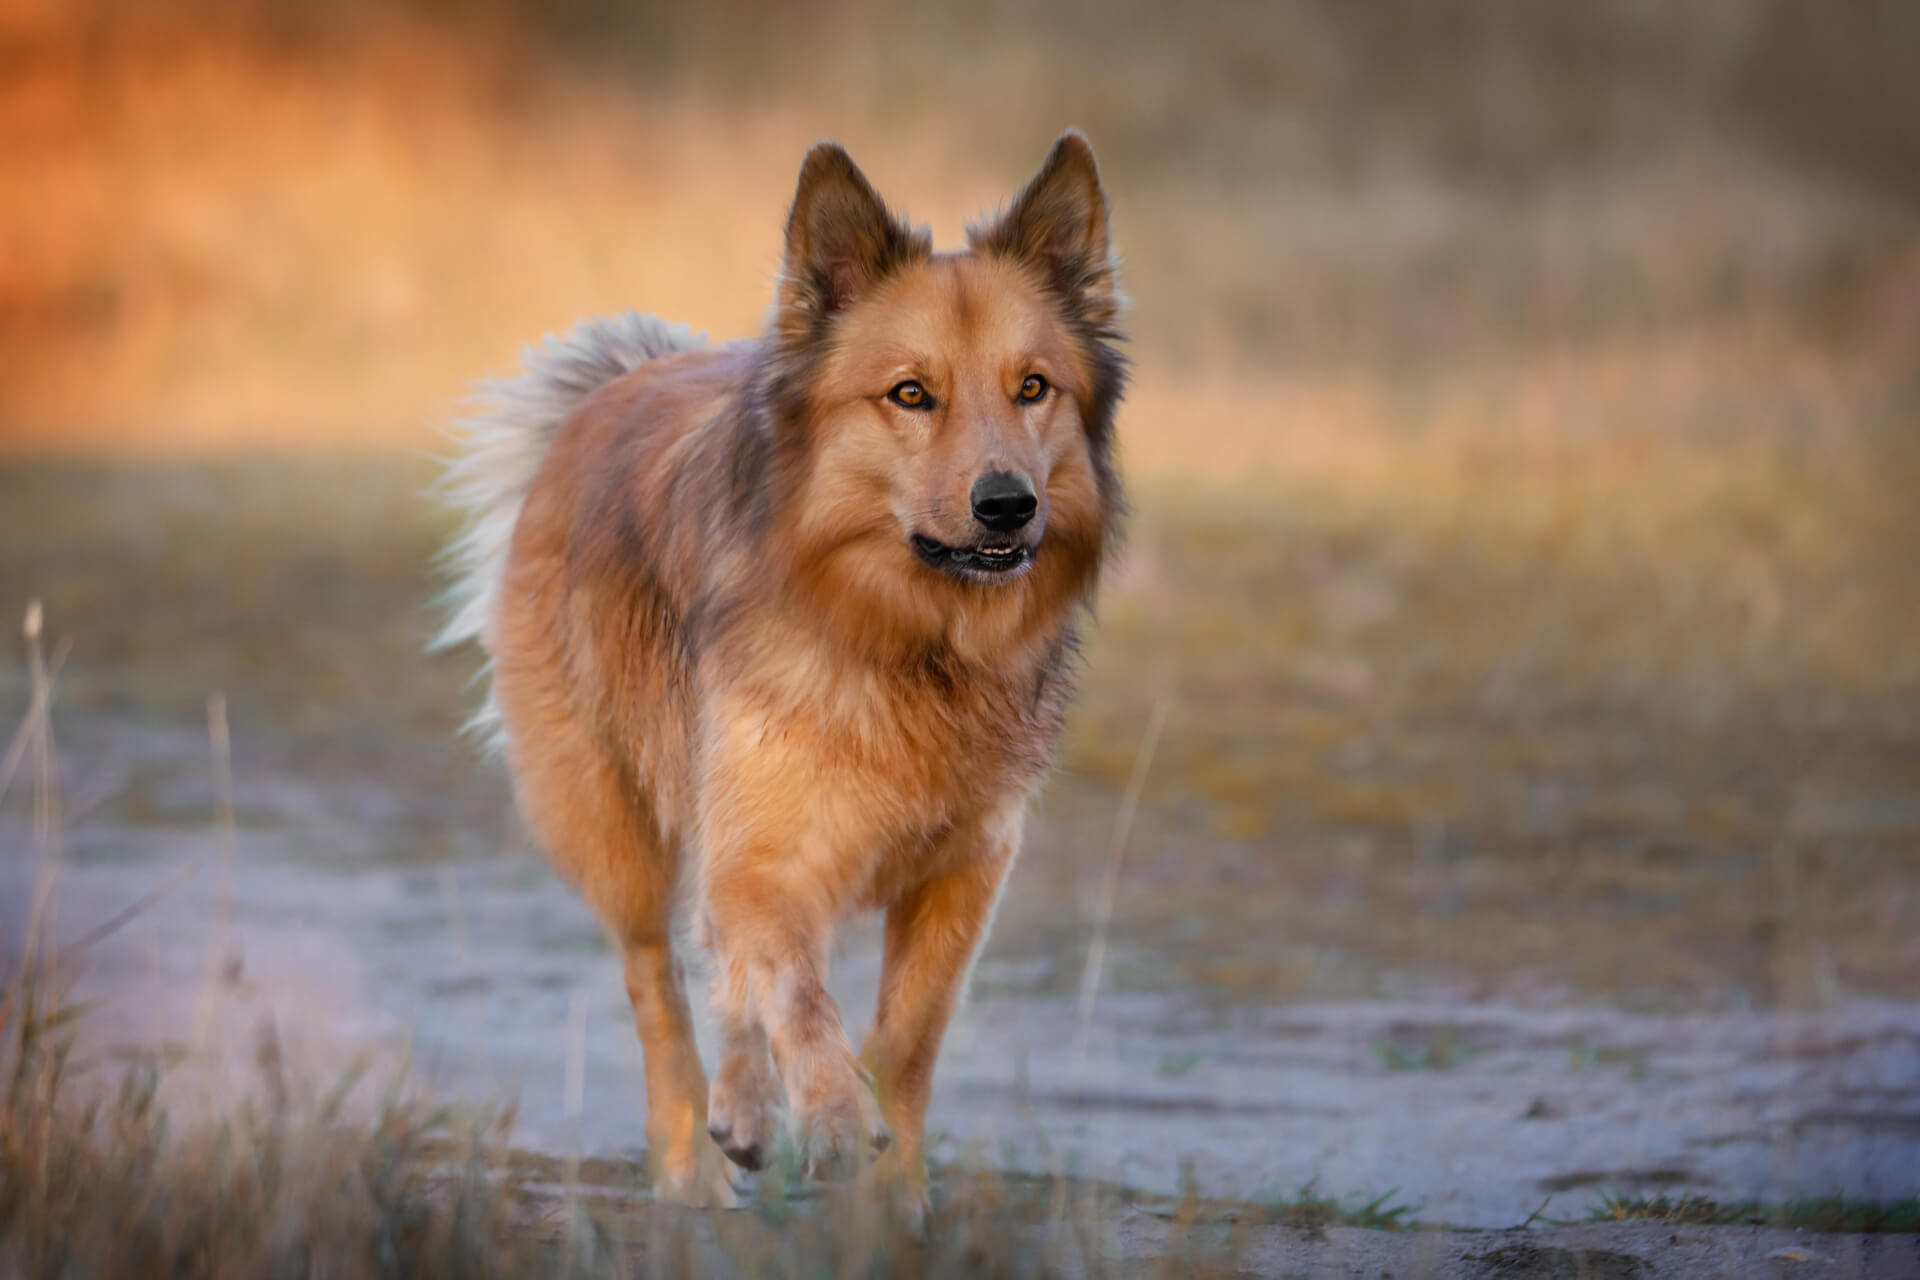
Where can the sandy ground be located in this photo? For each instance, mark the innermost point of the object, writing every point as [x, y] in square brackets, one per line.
[494, 979]
[1612, 1251]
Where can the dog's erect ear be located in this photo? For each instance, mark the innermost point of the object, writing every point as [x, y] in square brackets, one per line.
[841, 241]
[1059, 223]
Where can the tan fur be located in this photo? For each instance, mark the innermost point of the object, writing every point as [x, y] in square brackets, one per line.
[727, 678]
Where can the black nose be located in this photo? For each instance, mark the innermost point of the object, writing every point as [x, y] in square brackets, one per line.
[1003, 501]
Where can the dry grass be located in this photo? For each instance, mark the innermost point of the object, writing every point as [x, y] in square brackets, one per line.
[106, 1187]
[237, 225]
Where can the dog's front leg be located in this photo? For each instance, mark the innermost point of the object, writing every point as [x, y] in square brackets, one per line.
[932, 935]
[771, 924]
[744, 1105]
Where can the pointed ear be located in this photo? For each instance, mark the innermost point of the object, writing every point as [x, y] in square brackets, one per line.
[841, 241]
[1059, 224]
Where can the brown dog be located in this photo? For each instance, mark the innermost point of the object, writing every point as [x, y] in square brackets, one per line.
[784, 630]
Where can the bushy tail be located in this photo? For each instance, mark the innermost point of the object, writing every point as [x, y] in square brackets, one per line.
[501, 446]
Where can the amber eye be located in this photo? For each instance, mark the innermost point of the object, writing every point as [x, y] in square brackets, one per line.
[1033, 388]
[911, 395]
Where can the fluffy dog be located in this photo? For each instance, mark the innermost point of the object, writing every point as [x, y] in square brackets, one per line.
[783, 630]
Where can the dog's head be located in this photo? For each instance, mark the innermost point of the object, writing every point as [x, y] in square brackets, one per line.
[954, 412]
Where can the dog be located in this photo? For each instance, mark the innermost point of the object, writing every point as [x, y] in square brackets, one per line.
[782, 630]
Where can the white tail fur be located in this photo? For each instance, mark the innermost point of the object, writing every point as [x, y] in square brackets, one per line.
[501, 446]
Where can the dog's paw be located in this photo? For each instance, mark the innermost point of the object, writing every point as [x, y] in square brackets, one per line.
[837, 1127]
[699, 1181]
[743, 1110]
[896, 1184]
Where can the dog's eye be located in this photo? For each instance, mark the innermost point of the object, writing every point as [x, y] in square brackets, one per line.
[1033, 388]
[911, 395]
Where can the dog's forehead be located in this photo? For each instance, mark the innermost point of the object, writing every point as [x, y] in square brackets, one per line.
[962, 305]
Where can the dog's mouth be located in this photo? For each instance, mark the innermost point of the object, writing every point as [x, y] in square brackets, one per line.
[983, 562]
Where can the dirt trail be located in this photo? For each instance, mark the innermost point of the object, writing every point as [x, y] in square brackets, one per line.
[1472, 1113]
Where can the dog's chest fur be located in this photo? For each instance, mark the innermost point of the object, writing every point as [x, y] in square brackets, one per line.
[885, 761]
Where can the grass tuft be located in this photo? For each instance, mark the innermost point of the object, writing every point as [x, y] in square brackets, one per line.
[1832, 1214]
[1307, 1207]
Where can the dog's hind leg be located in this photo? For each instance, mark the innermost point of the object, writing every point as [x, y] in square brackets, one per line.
[598, 832]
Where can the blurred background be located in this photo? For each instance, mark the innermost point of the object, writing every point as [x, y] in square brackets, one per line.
[1523, 453]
